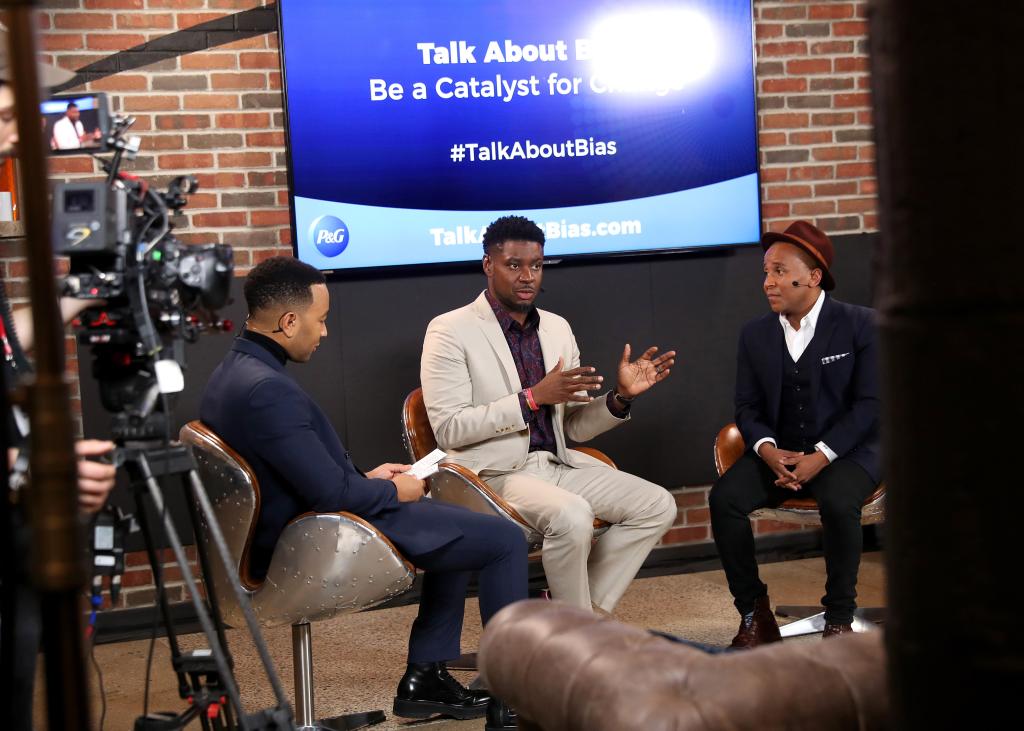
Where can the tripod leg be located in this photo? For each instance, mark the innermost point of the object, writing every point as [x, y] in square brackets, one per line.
[228, 680]
[204, 565]
[217, 538]
[158, 583]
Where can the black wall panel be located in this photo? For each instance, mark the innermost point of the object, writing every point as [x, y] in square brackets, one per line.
[693, 303]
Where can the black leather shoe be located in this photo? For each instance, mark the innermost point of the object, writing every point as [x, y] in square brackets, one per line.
[500, 716]
[427, 690]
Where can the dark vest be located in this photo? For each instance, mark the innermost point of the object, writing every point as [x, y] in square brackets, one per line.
[797, 428]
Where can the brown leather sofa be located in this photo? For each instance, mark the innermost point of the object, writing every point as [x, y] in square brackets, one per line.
[565, 669]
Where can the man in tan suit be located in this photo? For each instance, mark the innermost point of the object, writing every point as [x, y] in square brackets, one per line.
[504, 389]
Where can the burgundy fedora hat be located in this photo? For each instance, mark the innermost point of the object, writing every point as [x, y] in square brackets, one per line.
[812, 240]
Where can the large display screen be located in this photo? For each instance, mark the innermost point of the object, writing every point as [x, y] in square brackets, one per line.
[618, 127]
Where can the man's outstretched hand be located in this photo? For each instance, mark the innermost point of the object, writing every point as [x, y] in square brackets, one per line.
[639, 375]
[559, 386]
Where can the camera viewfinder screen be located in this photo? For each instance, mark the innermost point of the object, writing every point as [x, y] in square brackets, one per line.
[72, 123]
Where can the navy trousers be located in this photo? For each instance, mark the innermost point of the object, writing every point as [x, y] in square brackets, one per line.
[493, 546]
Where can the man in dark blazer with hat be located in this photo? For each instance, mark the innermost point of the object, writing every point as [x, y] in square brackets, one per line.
[807, 405]
[255, 406]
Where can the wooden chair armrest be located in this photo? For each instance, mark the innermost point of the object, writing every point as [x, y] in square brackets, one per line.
[598, 455]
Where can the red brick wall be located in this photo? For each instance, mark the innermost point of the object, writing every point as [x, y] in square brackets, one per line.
[218, 113]
[814, 102]
[215, 113]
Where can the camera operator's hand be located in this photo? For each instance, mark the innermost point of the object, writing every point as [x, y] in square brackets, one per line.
[95, 479]
[388, 470]
[70, 308]
[409, 488]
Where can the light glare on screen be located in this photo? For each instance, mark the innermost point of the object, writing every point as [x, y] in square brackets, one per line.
[653, 50]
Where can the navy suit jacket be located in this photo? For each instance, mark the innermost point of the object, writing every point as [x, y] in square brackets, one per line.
[301, 465]
[844, 390]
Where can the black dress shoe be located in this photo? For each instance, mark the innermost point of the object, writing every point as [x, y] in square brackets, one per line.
[500, 716]
[427, 690]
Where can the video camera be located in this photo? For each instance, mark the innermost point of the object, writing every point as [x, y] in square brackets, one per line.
[154, 292]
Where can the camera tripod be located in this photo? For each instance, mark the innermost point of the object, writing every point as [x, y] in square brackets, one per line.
[205, 676]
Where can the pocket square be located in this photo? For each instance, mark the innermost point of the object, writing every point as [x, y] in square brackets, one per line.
[833, 358]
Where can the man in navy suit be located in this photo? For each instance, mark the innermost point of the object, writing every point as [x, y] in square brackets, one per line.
[808, 408]
[259, 410]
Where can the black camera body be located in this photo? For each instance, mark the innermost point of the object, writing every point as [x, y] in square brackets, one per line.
[93, 227]
[153, 292]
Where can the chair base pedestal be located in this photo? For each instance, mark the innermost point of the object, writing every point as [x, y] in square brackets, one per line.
[348, 722]
[813, 620]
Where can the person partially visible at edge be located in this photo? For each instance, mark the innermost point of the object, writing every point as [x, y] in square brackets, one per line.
[20, 605]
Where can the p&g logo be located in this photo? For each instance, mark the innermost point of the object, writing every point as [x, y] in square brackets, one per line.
[329, 234]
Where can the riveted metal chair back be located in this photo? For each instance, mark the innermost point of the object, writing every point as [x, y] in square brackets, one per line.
[234, 494]
[729, 447]
[323, 564]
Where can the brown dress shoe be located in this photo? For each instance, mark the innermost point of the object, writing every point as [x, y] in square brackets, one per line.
[834, 630]
[757, 627]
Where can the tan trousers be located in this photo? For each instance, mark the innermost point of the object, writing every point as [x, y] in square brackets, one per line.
[561, 502]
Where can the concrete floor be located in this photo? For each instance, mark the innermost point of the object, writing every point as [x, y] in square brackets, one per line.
[359, 658]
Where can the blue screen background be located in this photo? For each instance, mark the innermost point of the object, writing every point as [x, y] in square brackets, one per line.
[347, 150]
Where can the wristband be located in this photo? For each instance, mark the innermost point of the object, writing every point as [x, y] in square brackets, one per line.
[528, 393]
[622, 399]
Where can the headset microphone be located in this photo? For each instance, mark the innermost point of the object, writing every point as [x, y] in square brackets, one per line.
[797, 284]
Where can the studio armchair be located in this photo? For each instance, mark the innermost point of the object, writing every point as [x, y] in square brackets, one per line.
[324, 564]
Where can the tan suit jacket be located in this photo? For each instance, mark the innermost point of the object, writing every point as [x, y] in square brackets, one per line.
[471, 386]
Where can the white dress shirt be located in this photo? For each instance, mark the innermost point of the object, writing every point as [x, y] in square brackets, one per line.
[67, 134]
[796, 343]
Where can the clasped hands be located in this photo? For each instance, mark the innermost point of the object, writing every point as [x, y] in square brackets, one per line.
[793, 469]
[634, 377]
